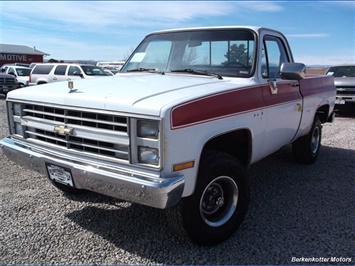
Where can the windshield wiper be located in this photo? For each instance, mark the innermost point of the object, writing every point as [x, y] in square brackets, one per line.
[198, 72]
[141, 69]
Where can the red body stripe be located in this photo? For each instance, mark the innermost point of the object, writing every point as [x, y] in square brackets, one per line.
[216, 106]
[244, 100]
[316, 85]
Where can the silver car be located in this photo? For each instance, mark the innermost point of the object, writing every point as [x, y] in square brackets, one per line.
[344, 79]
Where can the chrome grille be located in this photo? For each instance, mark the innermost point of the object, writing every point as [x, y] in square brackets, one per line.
[97, 133]
[348, 92]
[7, 80]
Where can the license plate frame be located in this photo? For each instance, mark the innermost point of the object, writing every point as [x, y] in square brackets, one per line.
[60, 174]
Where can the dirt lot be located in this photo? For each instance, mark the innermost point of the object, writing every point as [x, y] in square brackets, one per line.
[295, 212]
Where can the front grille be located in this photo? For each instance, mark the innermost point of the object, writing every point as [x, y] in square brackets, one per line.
[7, 80]
[346, 92]
[96, 133]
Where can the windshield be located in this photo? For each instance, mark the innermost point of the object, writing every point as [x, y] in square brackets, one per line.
[223, 52]
[93, 70]
[342, 71]
[23, 72]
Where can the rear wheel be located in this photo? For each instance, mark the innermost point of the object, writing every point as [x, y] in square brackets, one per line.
[220, 201]
[306, 148]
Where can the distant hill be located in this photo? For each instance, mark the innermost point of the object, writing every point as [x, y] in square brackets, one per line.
[91, 62]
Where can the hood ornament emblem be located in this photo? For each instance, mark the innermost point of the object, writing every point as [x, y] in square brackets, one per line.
[71, 86]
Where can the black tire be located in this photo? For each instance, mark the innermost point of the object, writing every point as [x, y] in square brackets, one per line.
[68, 190]
[306, 148]
[220, 201]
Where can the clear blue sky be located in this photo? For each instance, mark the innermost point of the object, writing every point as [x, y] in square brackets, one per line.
[320, 32]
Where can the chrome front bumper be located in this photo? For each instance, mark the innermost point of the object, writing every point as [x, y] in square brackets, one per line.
[122, 183]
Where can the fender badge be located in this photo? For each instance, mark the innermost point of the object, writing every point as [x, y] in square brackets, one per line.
[63, 130]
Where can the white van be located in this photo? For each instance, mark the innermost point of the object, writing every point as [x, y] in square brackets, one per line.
[52, 72]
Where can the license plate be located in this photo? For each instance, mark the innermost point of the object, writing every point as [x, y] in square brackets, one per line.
[5, 90]
[60, 175]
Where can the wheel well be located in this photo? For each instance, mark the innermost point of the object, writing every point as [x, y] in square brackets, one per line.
[237, 143]
[322, 113]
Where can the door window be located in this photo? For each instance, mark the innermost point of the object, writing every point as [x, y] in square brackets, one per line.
[60, 70]
[74, 70]
[273, 55]
[42, 69]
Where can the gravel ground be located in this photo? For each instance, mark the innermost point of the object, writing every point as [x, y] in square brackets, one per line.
[296, 212]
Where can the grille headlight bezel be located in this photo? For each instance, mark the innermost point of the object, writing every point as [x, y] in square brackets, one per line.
[146, 150]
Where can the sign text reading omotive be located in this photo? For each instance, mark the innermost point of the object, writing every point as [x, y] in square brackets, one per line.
[16, 57]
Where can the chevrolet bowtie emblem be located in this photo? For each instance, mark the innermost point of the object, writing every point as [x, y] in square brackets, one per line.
[63, 130]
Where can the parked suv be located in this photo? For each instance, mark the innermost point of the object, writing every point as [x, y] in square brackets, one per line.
[21, 73]
[47, 72]
[7, 83]
[344, 79]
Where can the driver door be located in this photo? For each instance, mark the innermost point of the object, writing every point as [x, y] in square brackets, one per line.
[282, 99]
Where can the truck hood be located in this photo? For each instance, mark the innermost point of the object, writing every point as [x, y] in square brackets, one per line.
[344, 82]
[140, 93]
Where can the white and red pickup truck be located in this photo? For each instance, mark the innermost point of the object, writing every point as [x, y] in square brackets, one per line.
[190, 111]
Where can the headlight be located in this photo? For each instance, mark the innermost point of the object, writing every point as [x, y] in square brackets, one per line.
[148, 129]
[148, 155]
[17, 109]
[18, 128]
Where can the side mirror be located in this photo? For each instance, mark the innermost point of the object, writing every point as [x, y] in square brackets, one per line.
[293, 71]
[78, 73]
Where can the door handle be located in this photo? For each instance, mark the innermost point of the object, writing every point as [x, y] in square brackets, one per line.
[273, 86]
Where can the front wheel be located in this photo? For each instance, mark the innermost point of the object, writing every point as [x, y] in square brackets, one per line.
[306, 148]
[220, 201]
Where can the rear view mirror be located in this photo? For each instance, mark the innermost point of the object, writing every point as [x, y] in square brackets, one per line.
[293, 71]
[194, 43]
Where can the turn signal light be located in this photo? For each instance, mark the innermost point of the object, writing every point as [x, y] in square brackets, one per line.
[182, 166]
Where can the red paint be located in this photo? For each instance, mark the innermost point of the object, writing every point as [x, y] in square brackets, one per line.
[216, 106]
[19, 58]
[237, 101]
[317, 85]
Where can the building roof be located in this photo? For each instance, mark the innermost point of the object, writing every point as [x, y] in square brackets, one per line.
[19, 49]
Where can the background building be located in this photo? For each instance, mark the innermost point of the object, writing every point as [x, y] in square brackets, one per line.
[10, 53]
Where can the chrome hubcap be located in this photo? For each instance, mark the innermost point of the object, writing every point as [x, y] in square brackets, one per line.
[219, 201]
[315, 140]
